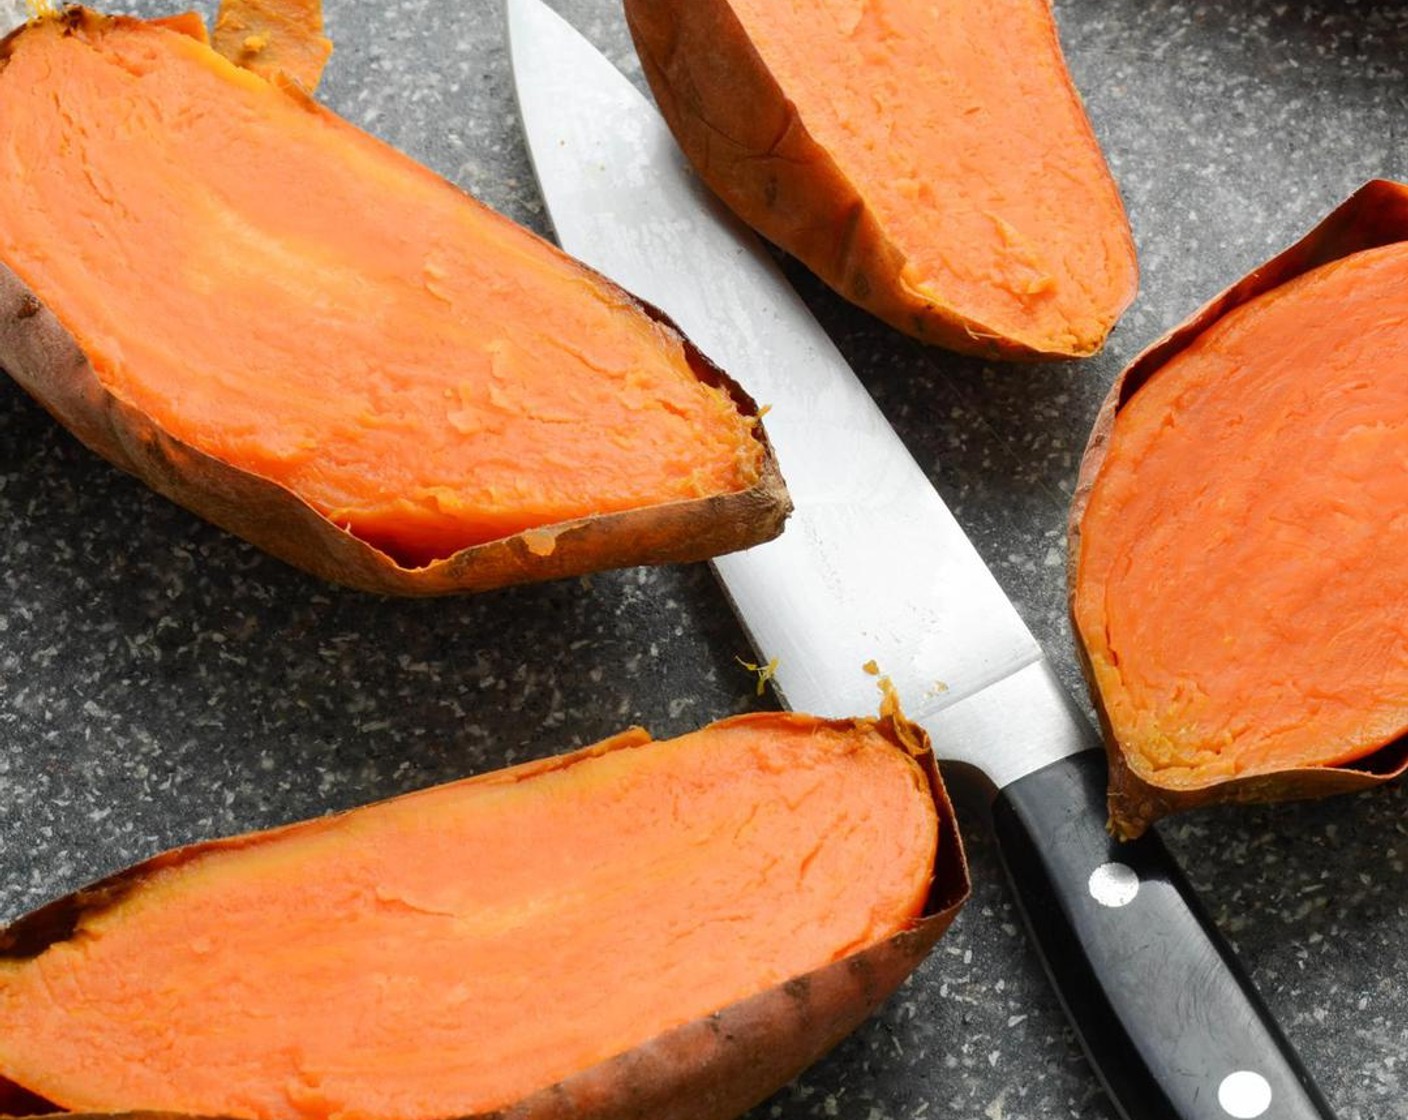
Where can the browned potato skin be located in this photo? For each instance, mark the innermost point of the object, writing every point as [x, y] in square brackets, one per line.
[1375, 215]
[745, 140]
[40, 354]
[714, 1068]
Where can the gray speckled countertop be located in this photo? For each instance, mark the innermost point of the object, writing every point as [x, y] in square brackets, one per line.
[161, 681]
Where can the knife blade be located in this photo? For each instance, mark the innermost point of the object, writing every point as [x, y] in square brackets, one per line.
[874, 568]
[15, 13]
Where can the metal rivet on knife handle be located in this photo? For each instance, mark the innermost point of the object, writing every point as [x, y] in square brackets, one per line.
[1244, 1094]
[1114, 884]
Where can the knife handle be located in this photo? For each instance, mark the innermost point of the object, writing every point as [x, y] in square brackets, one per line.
[1168, 1017]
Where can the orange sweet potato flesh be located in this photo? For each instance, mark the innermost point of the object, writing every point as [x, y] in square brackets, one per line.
[1243, 537]
[640, 928]
[931, 161]
[277, 39]
[291, 328]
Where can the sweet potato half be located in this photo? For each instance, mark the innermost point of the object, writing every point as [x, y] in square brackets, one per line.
[931, 161]
[664, 929]
[1239, 536]
[290, 328]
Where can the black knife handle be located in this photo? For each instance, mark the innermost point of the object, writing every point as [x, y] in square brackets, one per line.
[1167, 1016]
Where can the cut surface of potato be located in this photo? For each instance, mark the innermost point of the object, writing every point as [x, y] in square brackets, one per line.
[457, 950]
[931, 161]
[275, 309]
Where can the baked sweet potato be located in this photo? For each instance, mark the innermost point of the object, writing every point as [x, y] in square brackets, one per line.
[292, 329]
[1239, 535]
[931, 161]
[664, 929]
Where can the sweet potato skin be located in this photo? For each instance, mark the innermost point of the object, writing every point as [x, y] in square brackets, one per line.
[711, 1069]
[44, 358]
[744, 137]
[1374, 216]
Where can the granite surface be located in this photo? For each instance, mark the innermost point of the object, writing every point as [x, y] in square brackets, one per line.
[161, 681]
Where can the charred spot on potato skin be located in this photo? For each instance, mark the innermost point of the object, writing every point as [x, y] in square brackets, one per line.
[51, 925]
[559, 1092]
[29, 306]
[859, 967]
[910, 943]
[62, 919]
[15, 1100]
[799, 990]
[74, 18]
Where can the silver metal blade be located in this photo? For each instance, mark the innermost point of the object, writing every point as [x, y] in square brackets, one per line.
[872, 565]
[13, 13]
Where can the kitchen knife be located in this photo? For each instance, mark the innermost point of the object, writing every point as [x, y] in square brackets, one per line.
[873, 567]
